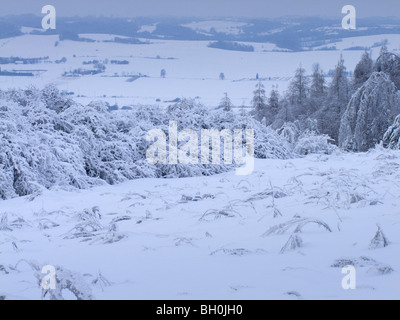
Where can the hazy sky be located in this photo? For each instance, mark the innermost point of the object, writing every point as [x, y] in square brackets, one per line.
[203, 8]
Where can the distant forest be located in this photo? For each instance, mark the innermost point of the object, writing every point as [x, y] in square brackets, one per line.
[285, 33]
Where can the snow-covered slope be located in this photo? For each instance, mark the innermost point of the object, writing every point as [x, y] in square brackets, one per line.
[220, 237]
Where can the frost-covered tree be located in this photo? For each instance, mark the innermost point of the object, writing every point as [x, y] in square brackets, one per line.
[285, 113]
[273, 106]
[259, 102]
[391, 139]
[299, 90]
[242, 110]
[335, 104]
[318, 83]
[369, 113]
[339, 87]
[363, 70]
[226, 103]
[317, 89]
[273, 102]
[390, 64]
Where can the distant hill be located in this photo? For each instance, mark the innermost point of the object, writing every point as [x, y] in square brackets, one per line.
[292, 33]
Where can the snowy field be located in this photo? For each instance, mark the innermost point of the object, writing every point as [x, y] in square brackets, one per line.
[284, 232]
[192, 68]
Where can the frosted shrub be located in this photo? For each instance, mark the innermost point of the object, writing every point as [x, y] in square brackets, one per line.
[290, 132]
[303, 138]
[309, 142]
[67, 282]
[48, 140]
[379, 240]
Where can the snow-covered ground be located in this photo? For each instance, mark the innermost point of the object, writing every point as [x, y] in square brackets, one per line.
[219, 237]
[367, 42]
[192, 68]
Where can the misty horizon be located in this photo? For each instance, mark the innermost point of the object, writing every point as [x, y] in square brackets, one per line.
[257, 9]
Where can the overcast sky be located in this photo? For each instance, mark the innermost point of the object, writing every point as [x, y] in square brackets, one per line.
[203, 8]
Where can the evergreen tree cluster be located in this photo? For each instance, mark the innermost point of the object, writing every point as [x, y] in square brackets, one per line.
[355, 112]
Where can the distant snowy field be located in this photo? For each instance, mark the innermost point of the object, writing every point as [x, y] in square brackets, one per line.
[193, 72]
[214, 237]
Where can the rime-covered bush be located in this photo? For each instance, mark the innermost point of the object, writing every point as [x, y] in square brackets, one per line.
[47, 140]
[269, 144]
[309, 142]
[303, 138]
[290, 132]
[191, 115]
[71, 145]
[391, 139]
[68, 283]
[188, 114]
[307, 125]
[37, 148]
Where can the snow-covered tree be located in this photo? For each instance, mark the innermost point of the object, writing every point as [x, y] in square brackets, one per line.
[363, 70]
[339, 87]
[285, 113]
[259, 102]
[318, 86]
[242, 110]
[390, 64]
[299, 90]
[226, 103]
[273, 101]
[317, 90]
[369, 113]
[391, 139]
[335, 103]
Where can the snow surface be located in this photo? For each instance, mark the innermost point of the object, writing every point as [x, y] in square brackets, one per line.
[367, 42]
[219, 237]
[193, 72]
